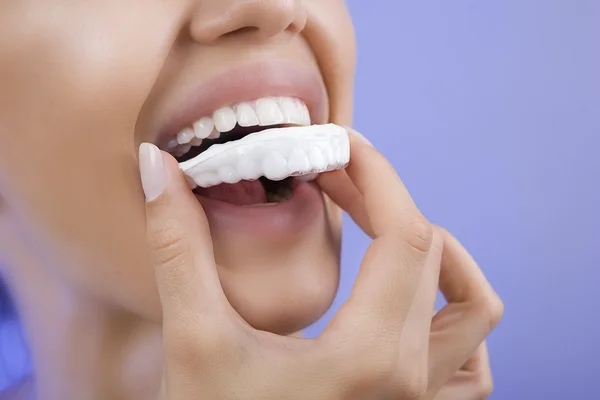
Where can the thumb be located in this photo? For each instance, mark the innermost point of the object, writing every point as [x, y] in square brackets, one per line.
[178, 233]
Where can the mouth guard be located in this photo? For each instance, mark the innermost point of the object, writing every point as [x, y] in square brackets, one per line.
[275, 153]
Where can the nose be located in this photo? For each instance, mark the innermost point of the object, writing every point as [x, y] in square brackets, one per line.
[215, 19]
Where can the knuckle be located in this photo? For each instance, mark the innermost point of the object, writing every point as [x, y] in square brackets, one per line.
[492, 310]
[419, 235]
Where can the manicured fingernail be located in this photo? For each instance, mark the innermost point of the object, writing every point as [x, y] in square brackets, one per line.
[360, 136]
[152, 170]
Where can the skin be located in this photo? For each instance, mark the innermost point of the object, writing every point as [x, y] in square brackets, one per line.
[82, 85]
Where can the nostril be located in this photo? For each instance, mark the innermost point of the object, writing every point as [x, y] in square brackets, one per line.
[261, 18]
[242, 31]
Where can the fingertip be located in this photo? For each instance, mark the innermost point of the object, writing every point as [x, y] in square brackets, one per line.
[354, 134]
[152, 171]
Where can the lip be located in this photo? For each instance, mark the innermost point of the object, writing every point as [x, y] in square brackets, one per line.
[247, 83]
[281, 220]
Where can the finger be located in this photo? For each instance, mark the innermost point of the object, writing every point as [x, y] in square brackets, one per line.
[473, 310]
[387, 204]
[414, 339]
[393, 263]
[179, 237]
[479, 363]
[338, 186]
[418, 322]
[473, 382]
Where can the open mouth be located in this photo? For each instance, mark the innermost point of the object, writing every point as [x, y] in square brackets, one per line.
[233, 123]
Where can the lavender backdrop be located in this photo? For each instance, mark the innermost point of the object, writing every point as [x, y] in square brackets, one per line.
[490, 110]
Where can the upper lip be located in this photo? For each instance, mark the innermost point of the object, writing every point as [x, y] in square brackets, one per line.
[246, 83]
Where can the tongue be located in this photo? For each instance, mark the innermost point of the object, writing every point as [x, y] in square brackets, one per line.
[243, 193]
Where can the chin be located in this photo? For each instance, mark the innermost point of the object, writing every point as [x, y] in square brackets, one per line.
[284, 285]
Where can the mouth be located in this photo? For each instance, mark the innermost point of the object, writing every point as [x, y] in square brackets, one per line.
[233, 134]
[231, 124]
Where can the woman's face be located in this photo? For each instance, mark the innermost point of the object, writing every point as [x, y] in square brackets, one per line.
[85, 82]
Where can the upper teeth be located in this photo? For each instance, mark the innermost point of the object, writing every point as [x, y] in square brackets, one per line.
[262, 112]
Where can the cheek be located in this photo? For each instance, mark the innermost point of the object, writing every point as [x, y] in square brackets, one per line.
[73, 84]
[331, 35]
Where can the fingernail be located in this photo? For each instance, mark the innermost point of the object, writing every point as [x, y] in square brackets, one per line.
[360, 136]
[152, 170]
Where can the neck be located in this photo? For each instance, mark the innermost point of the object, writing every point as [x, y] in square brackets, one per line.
[82, 349]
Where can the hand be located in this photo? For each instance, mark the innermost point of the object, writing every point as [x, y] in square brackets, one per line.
[382, 344]
[472, 382]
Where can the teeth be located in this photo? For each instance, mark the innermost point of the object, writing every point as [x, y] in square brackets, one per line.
[215, 134]
[181, 150]
[172, 144]
[224, 119]
[288, 109]
[203, 127]
[268, 112]
[196, 141]
[262, 112]
[245, 114]
[185, 136]
[275, 153]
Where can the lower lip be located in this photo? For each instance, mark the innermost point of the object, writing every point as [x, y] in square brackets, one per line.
[291, 217]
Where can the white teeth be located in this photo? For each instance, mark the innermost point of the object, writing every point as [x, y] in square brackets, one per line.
[288, 109]
[245, 114]
[275, 153]
[302, 112]
[224, 119]
[173, 143]
[262, 112]
[203, 127]
[268, 112]
[196, 141]
[185, 136]
[215, 134]
[181, 150]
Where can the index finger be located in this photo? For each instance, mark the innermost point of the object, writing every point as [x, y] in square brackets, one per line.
[394, 263]
[387, 203]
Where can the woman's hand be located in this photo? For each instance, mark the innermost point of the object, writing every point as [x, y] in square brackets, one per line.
[472, 382]
[382, 343]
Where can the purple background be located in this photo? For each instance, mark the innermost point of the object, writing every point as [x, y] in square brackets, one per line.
[490, 110]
